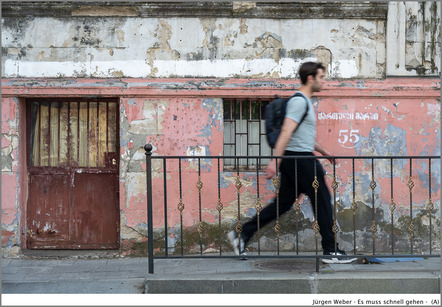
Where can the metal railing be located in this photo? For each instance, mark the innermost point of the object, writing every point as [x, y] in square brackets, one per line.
[385, 165]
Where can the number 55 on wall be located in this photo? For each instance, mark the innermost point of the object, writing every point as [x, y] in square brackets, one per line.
[348, 139]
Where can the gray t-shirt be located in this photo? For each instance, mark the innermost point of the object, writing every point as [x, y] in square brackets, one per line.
[303, 140]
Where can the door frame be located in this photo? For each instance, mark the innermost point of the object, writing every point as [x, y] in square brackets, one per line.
[29, 169]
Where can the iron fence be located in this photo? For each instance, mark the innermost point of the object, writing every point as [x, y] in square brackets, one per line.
[416, 173]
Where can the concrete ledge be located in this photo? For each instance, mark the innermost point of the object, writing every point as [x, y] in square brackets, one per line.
[370, 282]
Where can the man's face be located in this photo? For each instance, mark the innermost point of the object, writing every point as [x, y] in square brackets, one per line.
[317, 82]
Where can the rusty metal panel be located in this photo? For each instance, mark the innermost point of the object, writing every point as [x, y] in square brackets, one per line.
[48, 211]
[95, 213]
[73, 168]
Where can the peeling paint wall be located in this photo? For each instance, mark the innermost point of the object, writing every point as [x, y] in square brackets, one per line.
[171, 69]
[196, 47]
[10, 177]
[413, 39]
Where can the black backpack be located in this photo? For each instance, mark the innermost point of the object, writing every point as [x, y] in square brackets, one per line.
[274, 117]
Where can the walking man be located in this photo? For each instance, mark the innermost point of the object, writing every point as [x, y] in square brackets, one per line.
[298, 141]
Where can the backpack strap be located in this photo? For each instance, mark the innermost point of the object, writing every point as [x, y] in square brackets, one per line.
[306, 108]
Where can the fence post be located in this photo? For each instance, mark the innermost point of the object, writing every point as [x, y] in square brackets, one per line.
[148, 149]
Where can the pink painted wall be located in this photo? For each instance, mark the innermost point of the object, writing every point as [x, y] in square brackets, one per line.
[389, 117]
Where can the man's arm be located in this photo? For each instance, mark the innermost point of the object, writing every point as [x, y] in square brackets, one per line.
[288, 126]
[323, 151]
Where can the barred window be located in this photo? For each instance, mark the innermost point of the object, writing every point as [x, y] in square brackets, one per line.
[244, 133]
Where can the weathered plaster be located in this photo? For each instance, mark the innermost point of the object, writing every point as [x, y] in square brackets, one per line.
[191, 126]
[218, 47]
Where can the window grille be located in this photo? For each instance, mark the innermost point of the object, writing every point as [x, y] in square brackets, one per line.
[244, 133]
[72, 132]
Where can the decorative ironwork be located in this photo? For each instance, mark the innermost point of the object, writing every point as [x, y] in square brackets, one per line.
[373, 228]
[277, 228]
[411, 226]
[238, 183]
[335, 185]
[392, 206]
[199, 184]
[200, 228]
[181, 206]
[410, 184]
[316, 227]
[373, 186]
[335, 228]
[354, 206]
[276, 183]
[315, 185]
[258, 205]
[429, 206]
[219, 206]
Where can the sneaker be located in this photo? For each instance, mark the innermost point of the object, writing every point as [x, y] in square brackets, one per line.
[341, 257]
[233, 238]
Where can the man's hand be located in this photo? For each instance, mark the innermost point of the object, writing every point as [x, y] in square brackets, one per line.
[330, 159]
[271, 170]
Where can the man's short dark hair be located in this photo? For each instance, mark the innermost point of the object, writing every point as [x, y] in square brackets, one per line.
[309, 68]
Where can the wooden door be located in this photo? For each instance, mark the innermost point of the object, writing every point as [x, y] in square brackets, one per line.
[73, 174]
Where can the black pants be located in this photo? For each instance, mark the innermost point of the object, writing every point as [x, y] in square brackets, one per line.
[287, 196]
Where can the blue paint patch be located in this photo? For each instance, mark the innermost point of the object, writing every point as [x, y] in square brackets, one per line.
[123, 142]
[206, 132]
[250, 212]
[224, 184]
[390, 142]
[269, 185]
[131, 102]
[215, 108]
[424, 177]
[360, 84]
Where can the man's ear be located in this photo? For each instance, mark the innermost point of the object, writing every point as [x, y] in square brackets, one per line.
[310, 78]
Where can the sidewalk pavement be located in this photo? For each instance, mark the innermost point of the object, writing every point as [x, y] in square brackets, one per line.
[210, 275]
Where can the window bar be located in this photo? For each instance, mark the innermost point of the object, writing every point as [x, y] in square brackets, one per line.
[392, 207]
[335, 185]
[297, 207]
[107, 127]
[238, 185]
[430, 204]
[240, 133]
[97, 135]
[78, 133]
[411, 226]
[69, 134]
[181, 206]
[373, 186]
[219, 207]
[354, 206]
[258, 162]
[49, 134]
[258, 206]
[165, 208]
[199, 186]
[59, 140]
[87, 136]
[277, 185]
[248, 123]
[39, 134]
